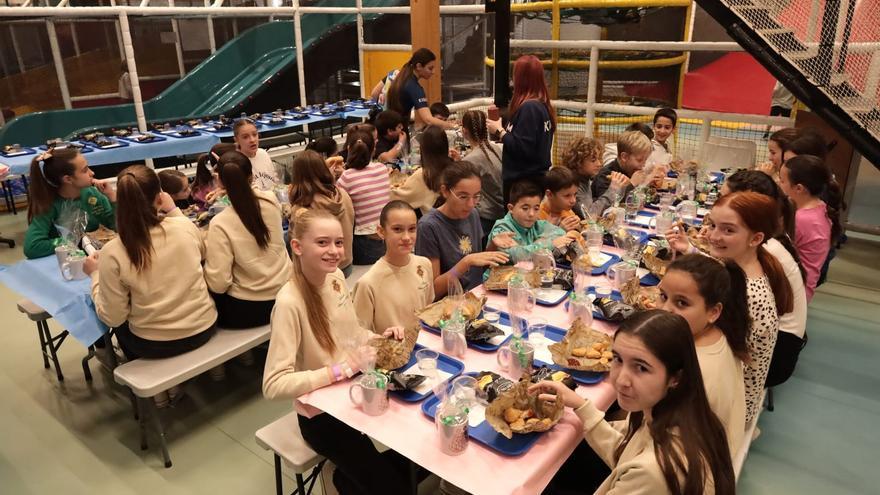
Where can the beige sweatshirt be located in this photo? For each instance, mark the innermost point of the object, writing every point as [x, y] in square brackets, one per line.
[388, 295]
[296, 364]
[415, 192]
[235, 263]
[637, 472]
[167, 301]
[725, 389]
[341, 207]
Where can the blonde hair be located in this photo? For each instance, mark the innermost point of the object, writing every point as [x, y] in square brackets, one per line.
[316, 311]
[580, 150]
[633, 142]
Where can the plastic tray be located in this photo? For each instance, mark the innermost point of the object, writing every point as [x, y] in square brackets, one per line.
[649, 280]
[643, 213]
[21, 152]
[484, 434]
[444, 363]
[563, 295]
[82, 148]
[178, 135]
[117, 143]
[584, 377]
[480, 346]
[156, 138]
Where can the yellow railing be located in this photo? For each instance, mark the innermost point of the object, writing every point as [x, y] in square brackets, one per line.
[608, 64]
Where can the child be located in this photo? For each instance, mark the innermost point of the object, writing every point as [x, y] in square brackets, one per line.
[313, 187]
[633, 149]
[316, 341]
[582, 158]
[449, 235]
[440, 111]
[368, 185]
[776, 145]
[560, 197]
[711, 296]
[326, 146]
[392, 137]
[665, 121]
[246, 260]
[62, 183]
[520, 232]
[399, 272]
[148, 283]
[204, 183]
[486, 157]
[175, 183]
[671, 442]
[610, 151]
[805, 179]
[422, 188]
[247, 140]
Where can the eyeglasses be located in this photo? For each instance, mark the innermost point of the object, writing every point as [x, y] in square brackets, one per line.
[464, 197]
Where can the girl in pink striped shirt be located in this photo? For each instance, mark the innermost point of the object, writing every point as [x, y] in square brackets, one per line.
[368, 185]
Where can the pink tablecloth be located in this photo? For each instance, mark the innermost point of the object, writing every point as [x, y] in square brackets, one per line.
[478, 470]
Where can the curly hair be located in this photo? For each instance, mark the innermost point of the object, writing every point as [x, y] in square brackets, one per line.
[580, 150]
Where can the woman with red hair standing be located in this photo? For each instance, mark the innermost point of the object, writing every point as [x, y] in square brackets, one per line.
[528, 138]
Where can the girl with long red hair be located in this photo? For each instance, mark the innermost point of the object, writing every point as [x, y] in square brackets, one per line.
[528, 138]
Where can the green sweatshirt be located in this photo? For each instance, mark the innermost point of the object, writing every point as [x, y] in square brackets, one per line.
[41, 237]
[539, 236]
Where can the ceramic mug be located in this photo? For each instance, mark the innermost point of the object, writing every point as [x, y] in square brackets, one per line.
[370, 394]
[72, 268]
[621, 273]
[516, 358]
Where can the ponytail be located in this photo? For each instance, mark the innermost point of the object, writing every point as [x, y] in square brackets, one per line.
[235, 174]
[434, 149]
[422, 56]
[475, 123]
[316, 311]
[136, 189]
[360, 149]
[778, 281]
[47, 172]
[812, 173]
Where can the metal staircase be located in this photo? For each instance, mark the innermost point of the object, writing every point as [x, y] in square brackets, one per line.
[826, 52]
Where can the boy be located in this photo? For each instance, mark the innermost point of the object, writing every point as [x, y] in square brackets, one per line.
[610, 151]
[391, 136]
[520, 232]
[440, 111]
[559, 198]
[633, 149]
[582, 158]
[665, 121]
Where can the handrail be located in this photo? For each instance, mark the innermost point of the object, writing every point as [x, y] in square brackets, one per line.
[567, 63]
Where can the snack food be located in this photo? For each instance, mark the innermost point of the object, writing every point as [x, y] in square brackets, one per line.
[583, 349]
[101, 236]
[518, 411]
[471, 307]
[500, 276]
[490, 385]
[546, 374]
[656, 256]
[392, 353]
[481, 331]
[640, 297]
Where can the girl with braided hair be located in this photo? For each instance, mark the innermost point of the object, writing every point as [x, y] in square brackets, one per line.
[486, 157]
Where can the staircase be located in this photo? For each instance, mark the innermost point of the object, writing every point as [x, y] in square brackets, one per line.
[826, 52]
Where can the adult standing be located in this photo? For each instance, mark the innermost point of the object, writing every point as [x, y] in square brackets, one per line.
[528, 138]
[405, 93]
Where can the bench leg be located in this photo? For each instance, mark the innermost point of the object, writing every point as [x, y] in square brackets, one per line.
[139, 416]
[43, 345]
[770, 399]
[279, 482]
[300, 485]
[85, 363]
[313, 478]
[157, 423]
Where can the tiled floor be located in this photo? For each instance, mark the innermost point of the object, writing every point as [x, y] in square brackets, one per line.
[77, 439]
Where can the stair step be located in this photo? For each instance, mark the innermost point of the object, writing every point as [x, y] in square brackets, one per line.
[839, 78]
[758, 17]
[773, 31]
[843, 90]
[740, 3]
[805, 55]
[856, 104]
[786, 41]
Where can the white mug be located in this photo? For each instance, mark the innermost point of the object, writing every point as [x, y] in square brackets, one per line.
[72, 268]
[372, 395]
[516, 358]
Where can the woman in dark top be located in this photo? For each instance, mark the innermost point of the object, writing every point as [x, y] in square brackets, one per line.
[528, 138]
[405, 93]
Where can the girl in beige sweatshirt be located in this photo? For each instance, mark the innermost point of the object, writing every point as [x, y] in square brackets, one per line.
[671, 443]
[148, 283]
[400, 283]
[316, 341]
[247, 262]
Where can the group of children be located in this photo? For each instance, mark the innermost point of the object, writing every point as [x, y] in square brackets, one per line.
[690, 375]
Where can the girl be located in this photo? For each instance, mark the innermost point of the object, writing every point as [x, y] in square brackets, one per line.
[672, 442]
[422, 188]
[808, 182]
[247, 141]
[792, 325]
[583, 157]
[313, 322]
[246, 260]
[61, 184]
[741, 225]
[149, 284]
[528, 137]
[776, 145]
[486, 157]
[450, 235]
[204, 183]
[711, 296]
[399, 272]
[368, 185]
[405, 93]
[313, 186]
[175, 183]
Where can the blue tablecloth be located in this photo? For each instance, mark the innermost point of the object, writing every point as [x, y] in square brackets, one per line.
[70, 303]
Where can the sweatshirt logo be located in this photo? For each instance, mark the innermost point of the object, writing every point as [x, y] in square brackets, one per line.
[464, 245]
[93, 200]
[336, 286]
[420, 272]
[547, 126]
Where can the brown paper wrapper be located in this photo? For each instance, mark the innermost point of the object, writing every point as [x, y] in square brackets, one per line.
[581, 337]
[499, 276]
[543, 415]
[392, 353]
[442, 310]
[638, 296]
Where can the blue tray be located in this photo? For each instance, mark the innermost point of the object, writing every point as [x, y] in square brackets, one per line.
[83, 149]
[178, 135]
[584, 377]
[480, 346]
[643, 212]
[598, 270]
[649, 280]
[22, 152]
[156, 138]
[117, 143]
[444, 363]
[484, 434]
[549, 303]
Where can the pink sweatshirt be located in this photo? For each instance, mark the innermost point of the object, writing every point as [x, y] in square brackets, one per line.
[812, 238]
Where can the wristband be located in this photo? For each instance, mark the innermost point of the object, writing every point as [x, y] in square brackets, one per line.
[337, 372]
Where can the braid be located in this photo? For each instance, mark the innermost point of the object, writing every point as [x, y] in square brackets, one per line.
[476, 124]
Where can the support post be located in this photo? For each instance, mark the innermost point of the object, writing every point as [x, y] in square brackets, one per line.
[178, 45]
[687, 34]
[360, 34]
[501, 8]
[300, 59]
[592, 88]
[212, 41]
[555, 20]
[424, 19]
[826, 42]
[59, 64]
[75, 39]
[705, 135]
[16, 48]
[133, 75]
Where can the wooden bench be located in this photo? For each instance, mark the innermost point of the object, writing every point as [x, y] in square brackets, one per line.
[285, 441]
[148, 377]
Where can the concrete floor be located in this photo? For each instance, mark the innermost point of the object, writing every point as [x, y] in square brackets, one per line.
[80, 439]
